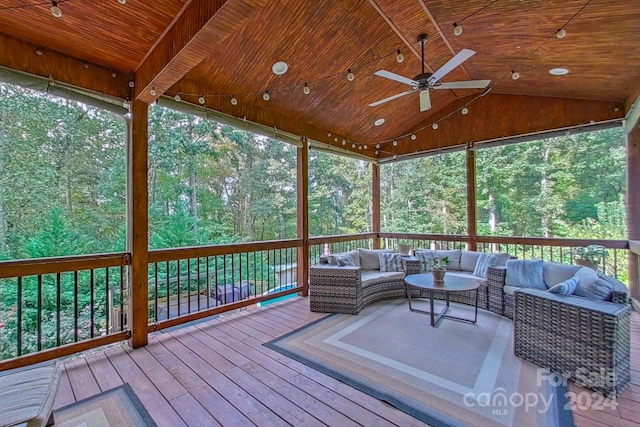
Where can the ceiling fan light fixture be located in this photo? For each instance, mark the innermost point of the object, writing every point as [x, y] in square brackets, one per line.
[306, 89]
[350, 75]
[515, 75]
[399, 56]
[234, 101]
[457, 29]
[55, 10]
[279, 68]
[561, 33]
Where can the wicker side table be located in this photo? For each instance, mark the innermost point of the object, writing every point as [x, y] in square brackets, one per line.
[586, 341]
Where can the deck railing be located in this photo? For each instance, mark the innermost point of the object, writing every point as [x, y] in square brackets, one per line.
[58, 306]
[51, 307]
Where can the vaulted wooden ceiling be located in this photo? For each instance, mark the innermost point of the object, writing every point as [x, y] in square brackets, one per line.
[220, 49]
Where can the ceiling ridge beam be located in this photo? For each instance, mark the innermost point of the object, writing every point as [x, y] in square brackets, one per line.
[187, 42]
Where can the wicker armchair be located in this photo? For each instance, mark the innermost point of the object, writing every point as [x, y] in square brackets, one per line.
[335, 289]
[583, 340]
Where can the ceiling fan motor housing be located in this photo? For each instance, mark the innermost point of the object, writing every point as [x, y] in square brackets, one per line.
[423, 80]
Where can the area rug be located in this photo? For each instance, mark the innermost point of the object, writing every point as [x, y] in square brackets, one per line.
[118, 407]
[455, 374]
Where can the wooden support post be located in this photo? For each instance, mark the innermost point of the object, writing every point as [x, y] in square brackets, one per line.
[138, 226]
[375, 204]
[303, 216]
[633, 203]
[472, 221]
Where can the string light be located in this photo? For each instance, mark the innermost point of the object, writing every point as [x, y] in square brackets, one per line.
[122, 1]
[306, 89]
[413, 136]
[266, 95]
[234, 101]
[55, 10]
[561, 33]
[434, 126]
[399, 56]
[515, 75]
[376, 153]
[350, 75]
[365, 146]
[114, 74]
[201, 100]
[359, 147]
[464, 111]
[353, 145]
[395, 143]
[152, 92]
[344, 142]
[378, 146]
[457, 29]
[38, 52]
[131, 83]
[177, 98]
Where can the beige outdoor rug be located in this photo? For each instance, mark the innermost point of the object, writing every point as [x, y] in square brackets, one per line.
[455, 374]
[118, 407]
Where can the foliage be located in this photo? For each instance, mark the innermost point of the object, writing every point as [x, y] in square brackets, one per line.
[591, 253]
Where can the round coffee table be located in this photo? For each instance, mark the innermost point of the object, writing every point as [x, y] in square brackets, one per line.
[450, 284]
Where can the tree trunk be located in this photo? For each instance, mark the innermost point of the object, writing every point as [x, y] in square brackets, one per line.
[193, 198]
[493, 220]
[545, 190]
[3, 220]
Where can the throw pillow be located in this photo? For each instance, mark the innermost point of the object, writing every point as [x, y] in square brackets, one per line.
[482, 265]
[555, 272]
[369, 258]
[525, 274]
[591, 286]
[344, 260]
[426, 260]
[567, 287]
[390, 262]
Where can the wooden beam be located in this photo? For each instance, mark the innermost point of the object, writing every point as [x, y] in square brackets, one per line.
[188, 41]
[633, 205]
[498, 116]
[472, 209]
[303, 216]
[632, 107]
[375, 205]
[22, 56]
[137, 223]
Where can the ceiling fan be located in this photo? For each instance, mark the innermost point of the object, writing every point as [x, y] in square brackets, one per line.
[425, 81]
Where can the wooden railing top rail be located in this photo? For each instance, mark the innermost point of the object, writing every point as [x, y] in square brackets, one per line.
[315, 240]
[36, 266]
[634, 246]
[160, 255]
[553, 241]
[419, 236]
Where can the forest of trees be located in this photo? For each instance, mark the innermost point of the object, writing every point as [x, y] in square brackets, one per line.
[63, 192]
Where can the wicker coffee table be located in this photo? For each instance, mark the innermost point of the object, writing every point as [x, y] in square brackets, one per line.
[450, 284]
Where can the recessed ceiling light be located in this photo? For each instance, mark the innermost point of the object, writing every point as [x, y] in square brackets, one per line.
[279, 68]
[379, 122]
[558, 71]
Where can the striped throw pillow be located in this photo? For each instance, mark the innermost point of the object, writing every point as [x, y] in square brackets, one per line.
[390, 261]
[567, 287]
[426, 260]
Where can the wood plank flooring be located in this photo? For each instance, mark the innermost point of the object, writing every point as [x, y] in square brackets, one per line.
[218, 373]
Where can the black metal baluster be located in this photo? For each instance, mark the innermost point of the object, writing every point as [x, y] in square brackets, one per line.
[208, 281]
[39, 312]
[107, 304]
[188, 286]
[167, 299]
[19, 315]
[216, 266]
[93, 300]
[178, 285]
[122, 298]
[58, 303]
[240, 271]
[155, 299]
[268, 272]
[233, 280]
[75, 306]
[198, 281]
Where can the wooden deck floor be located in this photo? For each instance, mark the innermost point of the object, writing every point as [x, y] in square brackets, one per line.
[218, 373]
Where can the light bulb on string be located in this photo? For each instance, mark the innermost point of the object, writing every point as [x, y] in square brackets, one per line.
[395, 143]
[266, 95]
[457, 29]
[201, 100]
[561, 33]
[122, 1]
[353, 145]
[376, 153]
[152, 92]
[234, 101]
[434, 126]
[399, 56]
[365, 146]
[464, 110]
[55, 10]
[344, 142]
[350, 75]
[177, 97]
[306, 89]
[515, 75]
[378, 146]
[413, 137]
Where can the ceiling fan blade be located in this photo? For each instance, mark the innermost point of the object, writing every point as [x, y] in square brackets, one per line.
[425, 100]
[389, 75]
[382, 101]
[462, 56]
[470, 84]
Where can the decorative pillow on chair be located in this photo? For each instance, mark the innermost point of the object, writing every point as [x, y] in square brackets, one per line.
[483, 263]
[567, 287]
[525, 274]
[390, 262]
[344, 260]
[591, 286]
[426, 260]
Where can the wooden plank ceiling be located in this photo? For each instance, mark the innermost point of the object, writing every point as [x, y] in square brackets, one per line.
[194, 48]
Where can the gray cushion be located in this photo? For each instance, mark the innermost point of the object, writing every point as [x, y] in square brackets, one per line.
[591, 286]
[468, 260]
[345, 259]
[467, 275]
[355, 258]
[567, 287]
[525, 274]
[390, 261]
[370, 277]
[501, 259]
[27, 395]
[509, 290]
[369, 259]
[426, 260]
[482, 265]
[454, 257]
[554, 272]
